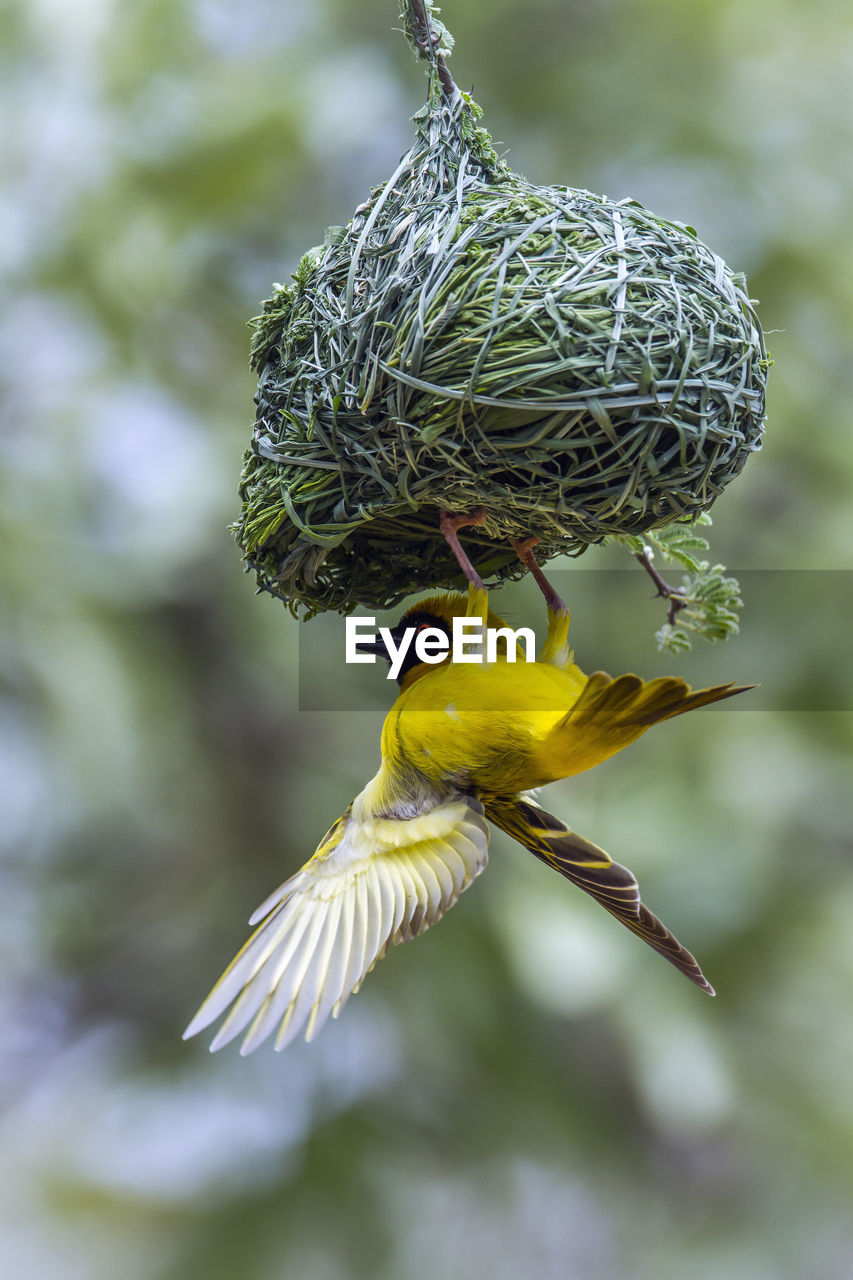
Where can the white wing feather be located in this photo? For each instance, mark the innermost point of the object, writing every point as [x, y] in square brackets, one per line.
[375, 881]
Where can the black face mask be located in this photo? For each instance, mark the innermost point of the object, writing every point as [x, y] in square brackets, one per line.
[417, 619]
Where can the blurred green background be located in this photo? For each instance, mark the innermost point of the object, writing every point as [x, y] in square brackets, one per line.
[527, 1091]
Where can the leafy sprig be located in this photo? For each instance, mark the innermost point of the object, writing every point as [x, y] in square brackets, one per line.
[707, 602]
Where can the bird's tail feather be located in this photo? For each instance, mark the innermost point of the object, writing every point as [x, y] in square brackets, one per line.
[591, 869]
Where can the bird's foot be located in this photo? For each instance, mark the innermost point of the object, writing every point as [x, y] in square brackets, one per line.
[449, 524]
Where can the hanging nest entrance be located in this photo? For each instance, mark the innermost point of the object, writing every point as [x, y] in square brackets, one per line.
[575, 365]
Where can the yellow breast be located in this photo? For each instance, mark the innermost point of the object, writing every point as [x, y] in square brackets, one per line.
[482, 725]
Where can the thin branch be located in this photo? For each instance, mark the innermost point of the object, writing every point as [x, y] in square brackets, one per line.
[427, 41]
[675, 595]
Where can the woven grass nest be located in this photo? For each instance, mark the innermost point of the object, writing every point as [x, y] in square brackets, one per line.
[575, 365]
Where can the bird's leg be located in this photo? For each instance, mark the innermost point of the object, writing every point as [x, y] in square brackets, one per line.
[449, 524]
[555, 650]
[523, 548]
[478, 605]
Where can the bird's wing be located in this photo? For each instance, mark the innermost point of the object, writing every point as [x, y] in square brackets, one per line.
[611, 713]
[592, 870]
[375, 880]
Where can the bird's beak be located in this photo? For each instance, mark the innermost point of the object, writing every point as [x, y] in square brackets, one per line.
[376, 647]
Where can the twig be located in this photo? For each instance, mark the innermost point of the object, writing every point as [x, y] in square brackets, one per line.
[675, 595]
[427, 41]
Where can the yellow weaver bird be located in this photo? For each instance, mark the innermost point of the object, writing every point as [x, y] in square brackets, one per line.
[461, 747]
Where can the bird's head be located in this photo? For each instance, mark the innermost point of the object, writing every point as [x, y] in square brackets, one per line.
[432, 620]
